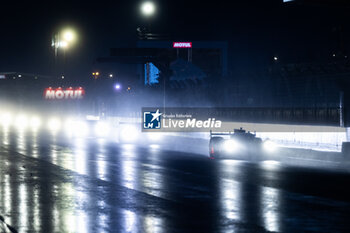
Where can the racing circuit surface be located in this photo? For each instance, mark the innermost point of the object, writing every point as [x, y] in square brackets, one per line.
[52, 184]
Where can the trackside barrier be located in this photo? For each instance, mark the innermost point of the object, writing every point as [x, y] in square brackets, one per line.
[321, 138]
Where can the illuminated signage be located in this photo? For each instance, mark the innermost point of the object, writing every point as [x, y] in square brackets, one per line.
[2, 76]
[182, 45]
[62, 94]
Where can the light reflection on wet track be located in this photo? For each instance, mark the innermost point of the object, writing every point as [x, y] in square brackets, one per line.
[51, 184]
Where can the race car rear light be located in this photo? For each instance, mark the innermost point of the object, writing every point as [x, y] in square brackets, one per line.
[212, 150]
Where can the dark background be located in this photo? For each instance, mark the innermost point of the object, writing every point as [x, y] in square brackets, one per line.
[256, 30]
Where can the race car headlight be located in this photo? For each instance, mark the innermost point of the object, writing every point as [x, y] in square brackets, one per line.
[21, 122]
[270, 146]
[6, 119]
[231, 146]
[35, 123]
[102, 129]
[54, 124]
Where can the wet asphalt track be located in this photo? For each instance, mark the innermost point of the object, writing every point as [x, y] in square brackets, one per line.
[51, 184]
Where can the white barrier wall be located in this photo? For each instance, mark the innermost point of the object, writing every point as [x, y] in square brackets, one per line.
[328, 141]
[309, 137]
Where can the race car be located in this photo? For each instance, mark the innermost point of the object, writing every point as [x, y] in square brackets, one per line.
[239, 144]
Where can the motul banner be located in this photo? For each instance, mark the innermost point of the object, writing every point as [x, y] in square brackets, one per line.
[64, 94]
[182, 44]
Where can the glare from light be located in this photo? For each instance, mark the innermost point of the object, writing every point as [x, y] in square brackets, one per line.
[270, 146]
[102, 129]
[21, 122]
[92, 117]
[148, 8]
[63, 44]
[231, 146]
[80, 129]
[129, 133]
[6, 119]
[35, 123]
[68, 35]
[270, 162]
[155, 136]
[54, 124]
[128, 146]
[68, 126]
[75, 127]
[117, 86]
[154, 146]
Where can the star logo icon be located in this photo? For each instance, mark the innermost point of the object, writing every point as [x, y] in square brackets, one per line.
[152, 119]
[156, 115]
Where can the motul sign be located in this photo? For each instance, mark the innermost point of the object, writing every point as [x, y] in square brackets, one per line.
[182, 45]
[61, 94]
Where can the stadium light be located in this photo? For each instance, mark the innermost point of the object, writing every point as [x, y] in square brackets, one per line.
[148, 8]
[69, 35]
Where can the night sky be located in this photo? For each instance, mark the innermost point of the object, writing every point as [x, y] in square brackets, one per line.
[256, 30]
